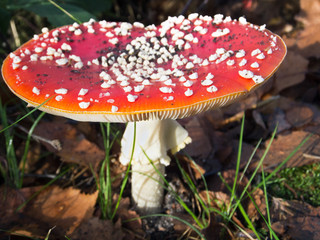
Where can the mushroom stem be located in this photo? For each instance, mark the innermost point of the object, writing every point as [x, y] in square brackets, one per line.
[147, 187]
[153, 139]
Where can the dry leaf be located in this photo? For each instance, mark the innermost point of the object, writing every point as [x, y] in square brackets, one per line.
[97, 229]
[297, 219]
[130, 219]
[180, 227]
[307, 41]
[191, 167]
[260, 202]
[284, 144]
[63, 208]
[11, 199]
[258, 119]
[299, 116]
[75, 147]
[291, 72]
[218, 200]
[278, 119]
[200, 146]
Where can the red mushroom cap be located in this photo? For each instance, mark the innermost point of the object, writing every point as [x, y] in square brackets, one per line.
[108, 71]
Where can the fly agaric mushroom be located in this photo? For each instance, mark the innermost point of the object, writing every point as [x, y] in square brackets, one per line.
[122, 72]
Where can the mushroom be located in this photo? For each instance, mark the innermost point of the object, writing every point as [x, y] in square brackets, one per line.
[121, 72]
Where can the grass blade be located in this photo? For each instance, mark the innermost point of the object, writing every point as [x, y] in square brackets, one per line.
[26, 148]
[65, 11]
[233, 192]
[126, 177]
[26, 115]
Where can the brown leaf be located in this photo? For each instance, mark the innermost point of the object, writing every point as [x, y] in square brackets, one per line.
[291, 72]
[30, 230]
[287, 113]
[215, 183]
[130, 219]
[63, 208]
[75, 147]
[297, 219]
[191, 167]
[307, 41]
[299, 116]
[11, 199]
[97, 229]
[260, 202]
[258, 119]
[181, 228]
[284, 144]
[278, 119]
[246, 152]
[200, 146]
[218, 200]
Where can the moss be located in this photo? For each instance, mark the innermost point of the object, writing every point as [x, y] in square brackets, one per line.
[300, 183]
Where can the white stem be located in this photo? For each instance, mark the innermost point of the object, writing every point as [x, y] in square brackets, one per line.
[147, 187]
[153, 140]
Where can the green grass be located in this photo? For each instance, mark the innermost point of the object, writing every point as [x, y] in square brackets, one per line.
[201, 216]
[13, 170]
[300, 183]
[104, 180]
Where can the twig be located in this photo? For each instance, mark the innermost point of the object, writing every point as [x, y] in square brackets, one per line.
[50, 176]
[239, 115]
[306, 155]
[55, 143]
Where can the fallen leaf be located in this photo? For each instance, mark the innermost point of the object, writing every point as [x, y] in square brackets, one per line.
[181, 228]
[215, 183]
[191, 167]
[246, 152]
[130, 219]
[258, 119]
[29, 231]
[63, 208]
[75, 147]
[291, 72]
[297, 219]
[284, 145]
[219, 200]
[97, 229]
[307, 41]
[200, 146]
[278, 119]
[10, 200]
[299, 116]
[260, 202]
